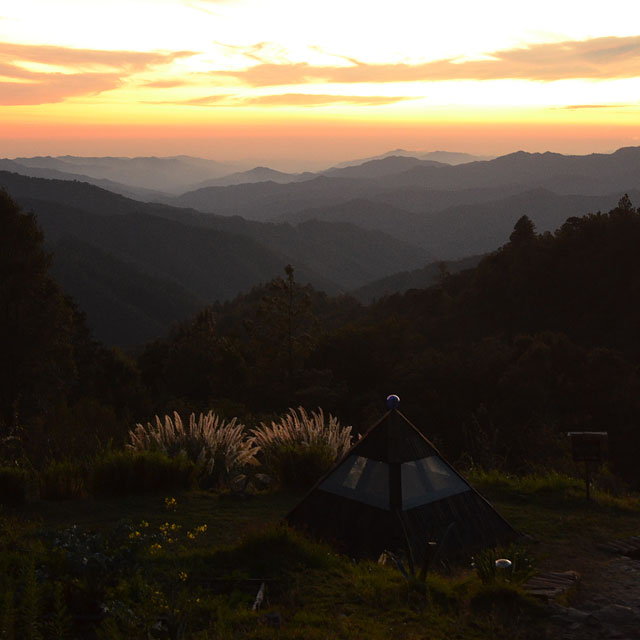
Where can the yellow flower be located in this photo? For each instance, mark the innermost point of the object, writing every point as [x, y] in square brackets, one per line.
[155, 547]
[144, 524]
[182, 575]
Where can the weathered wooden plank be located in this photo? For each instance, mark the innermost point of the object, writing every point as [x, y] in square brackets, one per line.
[551, 584]
[625, 547]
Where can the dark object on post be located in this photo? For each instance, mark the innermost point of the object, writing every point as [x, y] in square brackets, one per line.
[394, 490]
[588, 447]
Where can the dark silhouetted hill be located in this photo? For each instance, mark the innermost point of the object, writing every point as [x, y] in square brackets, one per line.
[125, 306]
[382, 167]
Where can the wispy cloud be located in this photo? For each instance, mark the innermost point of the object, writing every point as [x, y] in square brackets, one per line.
[315, 100]
[55, 88]
[287, 100]
[164, 84]
[598, 58]
[86, 71]
[121, 60]
[598, 106]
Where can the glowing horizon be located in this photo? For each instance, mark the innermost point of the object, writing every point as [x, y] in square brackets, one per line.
[227, 78]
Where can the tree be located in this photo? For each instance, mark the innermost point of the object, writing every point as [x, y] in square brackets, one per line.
[624, 205]
[36, 323]
[193, 364]
[283, 332]
[524, 232]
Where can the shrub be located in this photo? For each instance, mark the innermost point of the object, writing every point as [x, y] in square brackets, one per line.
[299, 465]
[219, 448]
[125, 472]
[298, 448]
[520, 570]
[16, 486]
[63, 479]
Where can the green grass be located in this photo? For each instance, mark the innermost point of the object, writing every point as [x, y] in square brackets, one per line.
[563, 528]
[141, 559]
[227, 516]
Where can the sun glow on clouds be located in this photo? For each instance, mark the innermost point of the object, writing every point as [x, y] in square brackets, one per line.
[231, 62]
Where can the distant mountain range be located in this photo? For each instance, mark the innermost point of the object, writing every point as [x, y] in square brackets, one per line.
[432, 187]
[257, 174]
[146, 178]
[193, 257]
[139, 175]
[446, 157]
[369, 228]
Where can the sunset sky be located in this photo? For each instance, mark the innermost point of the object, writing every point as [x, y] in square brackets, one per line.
[308, 84]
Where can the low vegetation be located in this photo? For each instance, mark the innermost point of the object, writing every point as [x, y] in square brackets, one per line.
[190, 565]
[112, 532]
[219, 449]
[299, 447]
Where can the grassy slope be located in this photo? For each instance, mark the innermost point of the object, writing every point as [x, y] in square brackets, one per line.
[321, 595]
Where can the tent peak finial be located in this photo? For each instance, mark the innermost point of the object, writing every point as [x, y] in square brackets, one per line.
[393, 401]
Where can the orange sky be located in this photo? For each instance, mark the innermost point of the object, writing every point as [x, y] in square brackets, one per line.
[298, 87]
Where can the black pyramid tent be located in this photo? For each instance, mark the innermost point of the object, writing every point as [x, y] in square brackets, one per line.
[393, 486]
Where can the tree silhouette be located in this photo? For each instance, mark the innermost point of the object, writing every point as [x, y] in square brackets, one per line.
[36, 323]
[284, 330]
[524, 232]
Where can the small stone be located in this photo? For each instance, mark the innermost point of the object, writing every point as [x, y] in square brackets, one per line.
[614, 612]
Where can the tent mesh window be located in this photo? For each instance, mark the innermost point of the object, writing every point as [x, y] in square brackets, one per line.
[427, 480]
[361, 479]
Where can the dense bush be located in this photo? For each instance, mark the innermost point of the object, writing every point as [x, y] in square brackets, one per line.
[219, 449]
[63, 479]
[126, 472]
[298, 465]
[298, 448]
[16, 486]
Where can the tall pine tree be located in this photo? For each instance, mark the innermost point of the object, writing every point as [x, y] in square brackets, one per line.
[36, 359]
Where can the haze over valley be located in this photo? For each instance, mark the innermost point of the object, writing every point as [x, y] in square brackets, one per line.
[140, 243]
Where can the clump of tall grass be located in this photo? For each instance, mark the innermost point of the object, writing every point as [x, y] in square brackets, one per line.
[298, 448]
[220, 449]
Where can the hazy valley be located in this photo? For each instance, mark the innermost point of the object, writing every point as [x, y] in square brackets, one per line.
[351, 228]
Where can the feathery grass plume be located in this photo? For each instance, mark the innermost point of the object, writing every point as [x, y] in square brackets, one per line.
[221, 449]
[298, 448]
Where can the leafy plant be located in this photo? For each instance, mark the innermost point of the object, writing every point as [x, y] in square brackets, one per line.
[299, 447]
[520, 569]
[126, 472]
[220, 449]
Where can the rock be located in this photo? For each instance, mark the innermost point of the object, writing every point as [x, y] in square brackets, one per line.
[576, 614]
[614, 613]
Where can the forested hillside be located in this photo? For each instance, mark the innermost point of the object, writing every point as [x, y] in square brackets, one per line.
[496, 362]
[193, 257]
